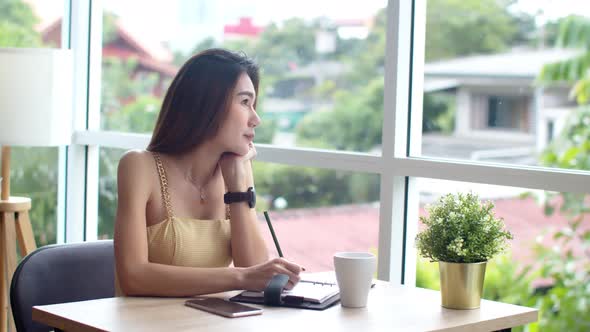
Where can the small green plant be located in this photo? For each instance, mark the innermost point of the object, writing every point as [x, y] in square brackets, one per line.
[461, 229]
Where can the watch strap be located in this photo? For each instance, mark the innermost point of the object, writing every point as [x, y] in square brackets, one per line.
[274, 289]
[235, 197]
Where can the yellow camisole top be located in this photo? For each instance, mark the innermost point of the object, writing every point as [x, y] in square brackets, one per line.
[186, 242]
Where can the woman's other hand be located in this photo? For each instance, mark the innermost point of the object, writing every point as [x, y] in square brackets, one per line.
[257, 277]
[237, 170]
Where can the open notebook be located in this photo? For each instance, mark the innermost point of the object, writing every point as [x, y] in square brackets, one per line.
[308, 290]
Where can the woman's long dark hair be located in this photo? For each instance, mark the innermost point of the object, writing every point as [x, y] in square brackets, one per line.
[198, 99]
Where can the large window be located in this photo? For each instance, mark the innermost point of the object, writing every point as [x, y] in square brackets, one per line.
[484, 96]
[320, 79]
[34, 170]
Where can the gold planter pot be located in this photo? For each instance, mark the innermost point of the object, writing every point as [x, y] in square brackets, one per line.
[461, 284]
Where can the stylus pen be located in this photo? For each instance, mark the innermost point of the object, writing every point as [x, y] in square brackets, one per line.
[272, 232]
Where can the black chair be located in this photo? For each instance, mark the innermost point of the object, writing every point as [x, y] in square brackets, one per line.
[61, 273]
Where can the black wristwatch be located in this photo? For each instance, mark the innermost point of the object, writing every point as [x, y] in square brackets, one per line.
[248, 196]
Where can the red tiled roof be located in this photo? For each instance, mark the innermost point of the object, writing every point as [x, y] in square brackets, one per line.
[244, 28]
[311, 236]
[126, 45]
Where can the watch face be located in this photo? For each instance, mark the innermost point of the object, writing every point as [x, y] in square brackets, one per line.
[252, 202]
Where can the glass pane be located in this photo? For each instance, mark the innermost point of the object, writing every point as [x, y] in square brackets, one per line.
[317, 212]
[33, 172]
[492, 91]
[31, 24]
[307, 206]
[107, 190]
[322, 64]
[546, 264]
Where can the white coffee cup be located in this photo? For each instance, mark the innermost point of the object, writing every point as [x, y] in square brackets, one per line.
[354, 273]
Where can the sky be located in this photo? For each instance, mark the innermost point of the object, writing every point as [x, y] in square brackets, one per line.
[554, 9]
[183, 26]
[182, 22]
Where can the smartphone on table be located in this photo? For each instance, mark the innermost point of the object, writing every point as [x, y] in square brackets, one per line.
[222, 307]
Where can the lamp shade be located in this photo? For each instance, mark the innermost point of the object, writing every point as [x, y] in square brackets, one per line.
[35, 97]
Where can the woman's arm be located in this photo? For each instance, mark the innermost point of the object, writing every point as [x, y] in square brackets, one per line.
[247, 243]
[138, 276]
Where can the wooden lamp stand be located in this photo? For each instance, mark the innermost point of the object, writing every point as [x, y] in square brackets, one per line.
[14, 221]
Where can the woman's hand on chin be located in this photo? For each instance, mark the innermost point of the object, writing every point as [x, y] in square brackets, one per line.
[237, 170]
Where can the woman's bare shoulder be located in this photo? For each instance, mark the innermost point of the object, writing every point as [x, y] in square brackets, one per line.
[136, 162]
[136, 158]
[136, 175]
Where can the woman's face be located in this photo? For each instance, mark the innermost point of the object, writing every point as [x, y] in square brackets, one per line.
[237, 129]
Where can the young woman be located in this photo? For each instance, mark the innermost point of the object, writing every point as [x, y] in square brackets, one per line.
[174, 234]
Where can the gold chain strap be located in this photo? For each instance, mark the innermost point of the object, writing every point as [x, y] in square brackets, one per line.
[163, 185]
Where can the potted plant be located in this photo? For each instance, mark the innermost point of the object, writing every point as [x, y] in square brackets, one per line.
[461, 234]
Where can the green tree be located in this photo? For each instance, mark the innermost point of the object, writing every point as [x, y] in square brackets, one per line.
[34, 175]
[574, 33]
[457, 28]
[127, 106]
[138, 116]
[107, 190]
[571, 149]
[17, 22]
[438, 113]
[564, 306]
[109, 27]
[353, 124]
[369, 63]
[280, 48]
[308, 187]
[120, 88]
[180, 58]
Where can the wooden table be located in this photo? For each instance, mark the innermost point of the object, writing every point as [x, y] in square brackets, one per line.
[390, 308]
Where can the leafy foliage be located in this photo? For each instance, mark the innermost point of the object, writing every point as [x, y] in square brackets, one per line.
[427, 274]
[439, 113]
[509, 281]
[354, 123]
[456, 27]
[17, 22]
[136, 117]
[119, 88]
[565, 305]
[571, 149]
[460, 229]
[574, 32]
[279, 48]
[34, 175]
[309, 187]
